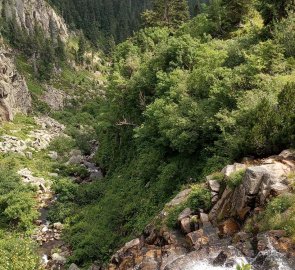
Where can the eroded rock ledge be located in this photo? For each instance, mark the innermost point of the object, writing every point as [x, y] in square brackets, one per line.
[219, 233]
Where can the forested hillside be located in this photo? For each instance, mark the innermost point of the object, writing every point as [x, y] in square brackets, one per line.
[177, 100]
[105, 22]
[181, 104]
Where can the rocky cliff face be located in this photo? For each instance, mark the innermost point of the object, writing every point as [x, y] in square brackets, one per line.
[218, 237]
[14, 93]
[28, 13]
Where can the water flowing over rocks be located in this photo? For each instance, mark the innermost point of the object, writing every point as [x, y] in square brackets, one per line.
[14, 93]
[217, 239]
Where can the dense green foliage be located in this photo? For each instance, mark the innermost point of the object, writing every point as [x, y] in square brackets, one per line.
[18, 253]
[179, 106]
[171, 13]
[103, 21]
[17, 203]
[181, 102]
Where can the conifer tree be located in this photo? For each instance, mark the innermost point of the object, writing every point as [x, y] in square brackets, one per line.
[273, 10]
[171, 13]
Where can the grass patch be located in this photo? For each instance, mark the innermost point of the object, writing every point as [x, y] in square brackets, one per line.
[199, 198]
[20, 127]
[172, 216]
[279, 215]
[218, 176]
[235, 179]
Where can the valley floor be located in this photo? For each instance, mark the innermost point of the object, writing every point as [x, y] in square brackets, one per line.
[31, 149]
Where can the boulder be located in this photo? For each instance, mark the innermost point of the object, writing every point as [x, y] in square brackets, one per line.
[229, 169]
[58, 226]
[253, 179]
[58, 258]
[222, 207]
[29, 155]
[179, 198]
[288, 154]
[204, 218]
[75, 159]
[53, 155]
[54, 98]
[220, 259]
[229, 227]
[214, 185]
[185, 225]
[185, 213]
[197, 239]
[278, 189]
[73, 267]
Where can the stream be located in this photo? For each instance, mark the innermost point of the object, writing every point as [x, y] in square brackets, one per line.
[52, 250]
[265, 260]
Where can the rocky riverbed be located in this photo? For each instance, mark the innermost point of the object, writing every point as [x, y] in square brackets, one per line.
[52, 250]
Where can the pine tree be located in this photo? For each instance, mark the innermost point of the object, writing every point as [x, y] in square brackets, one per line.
[60, 52]
[81, 50]
[171, 13]
[273, 10]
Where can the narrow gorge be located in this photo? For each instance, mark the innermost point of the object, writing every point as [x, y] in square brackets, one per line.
[147, 135]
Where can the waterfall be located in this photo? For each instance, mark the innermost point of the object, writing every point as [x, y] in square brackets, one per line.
[269, 259]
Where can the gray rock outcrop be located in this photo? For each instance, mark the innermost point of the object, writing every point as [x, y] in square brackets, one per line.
[28, 13]
[210, 237]
[14, 93]
[54, 98]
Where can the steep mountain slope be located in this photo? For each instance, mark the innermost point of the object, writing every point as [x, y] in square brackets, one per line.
[32, 13]
[178, 104]
[102, 21]
[15, 97]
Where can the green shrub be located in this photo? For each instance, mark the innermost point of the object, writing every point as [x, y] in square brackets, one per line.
[172, 216]
[18, 208]
[17, 202]
[218, 176]
[72, 170]
[200, 198]
[61, 211]
[279, 214]
[235, 179]
[18, 253]
[244, 267]
[62, 145]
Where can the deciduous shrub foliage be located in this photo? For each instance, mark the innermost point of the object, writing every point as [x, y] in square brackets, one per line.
[180, 104]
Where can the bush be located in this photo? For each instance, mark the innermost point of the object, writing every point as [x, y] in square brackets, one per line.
[73, 170]
[200, 198]
[18, 253]
[62, 145]
[17, 202]
[172, 216]
[235, 179]
[279, 214]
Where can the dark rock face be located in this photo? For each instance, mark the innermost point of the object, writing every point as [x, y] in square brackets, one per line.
[220, 259]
